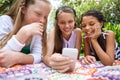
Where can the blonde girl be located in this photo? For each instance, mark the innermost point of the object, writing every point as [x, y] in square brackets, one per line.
[23, 25]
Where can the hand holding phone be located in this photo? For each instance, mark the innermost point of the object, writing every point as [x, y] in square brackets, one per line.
[70, 52]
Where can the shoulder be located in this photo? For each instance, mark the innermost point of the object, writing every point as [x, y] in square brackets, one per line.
[6, 20]
[5, 17]
[78, 31]
[110, 33]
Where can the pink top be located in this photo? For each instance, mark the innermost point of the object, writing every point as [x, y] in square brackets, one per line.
[71, 42]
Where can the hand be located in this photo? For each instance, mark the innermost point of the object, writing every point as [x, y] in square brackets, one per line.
[8, 58]
[97, 32]
[88, 59]
[28, 31]
[61, 63]
[33, 29]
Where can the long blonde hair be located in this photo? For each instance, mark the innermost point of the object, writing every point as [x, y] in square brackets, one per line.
[15, 13]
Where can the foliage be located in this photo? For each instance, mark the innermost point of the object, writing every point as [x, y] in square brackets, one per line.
[116, 29]
[5, 5]
[110, 8]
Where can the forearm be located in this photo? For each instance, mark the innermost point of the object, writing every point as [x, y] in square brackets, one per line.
[22, 36]
[46, 60]
[13, 44]
[103, 56]
[24, 58]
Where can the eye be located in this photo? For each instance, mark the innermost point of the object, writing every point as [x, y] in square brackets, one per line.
[91, 24]
[83, 25]
[62, 23]
[38, 14]
[70, 21]
[45, 17]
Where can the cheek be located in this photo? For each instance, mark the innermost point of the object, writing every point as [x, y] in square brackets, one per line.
[32, 18]
[83, 30]
[60, 26]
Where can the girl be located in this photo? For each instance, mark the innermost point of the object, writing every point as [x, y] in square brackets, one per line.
[23, 25]
[99, 45]
[65, 34]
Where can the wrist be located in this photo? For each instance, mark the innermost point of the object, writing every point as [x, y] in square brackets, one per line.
[24, 59]
[22, 36]
[93, 39]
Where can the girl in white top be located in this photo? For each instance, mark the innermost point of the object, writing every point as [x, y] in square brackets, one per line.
[24, 24]
[65, 34]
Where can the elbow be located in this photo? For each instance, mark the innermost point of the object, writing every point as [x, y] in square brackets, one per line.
[108, 63]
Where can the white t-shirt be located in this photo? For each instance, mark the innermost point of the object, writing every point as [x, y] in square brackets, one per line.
[6, 26]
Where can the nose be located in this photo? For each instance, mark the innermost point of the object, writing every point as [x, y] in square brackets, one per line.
[42, 20]
[87, 27]
[67, 25]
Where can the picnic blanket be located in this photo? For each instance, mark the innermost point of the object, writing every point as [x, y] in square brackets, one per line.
[95, 71]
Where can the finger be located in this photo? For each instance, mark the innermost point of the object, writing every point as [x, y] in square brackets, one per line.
[60, 67]
[60, 63]
[93, 59]
[86, 60]
[64, 70]
[41, 31]
[41, 24]
[59, 58]
[90, 60]
[83, 62]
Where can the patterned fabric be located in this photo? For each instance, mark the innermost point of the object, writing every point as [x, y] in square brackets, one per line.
[93, 71]
[117, 52]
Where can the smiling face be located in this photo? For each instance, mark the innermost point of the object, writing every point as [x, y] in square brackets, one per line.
[37, 12]
[66, 23]
[89, 23]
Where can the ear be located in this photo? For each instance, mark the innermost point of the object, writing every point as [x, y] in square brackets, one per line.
[24, 10]
[102, 24]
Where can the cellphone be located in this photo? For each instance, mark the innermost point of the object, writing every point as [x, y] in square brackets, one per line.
[70, 52]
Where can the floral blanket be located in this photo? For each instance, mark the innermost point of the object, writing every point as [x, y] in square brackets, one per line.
[95, 71]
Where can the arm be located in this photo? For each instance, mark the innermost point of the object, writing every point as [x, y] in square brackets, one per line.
[36, 48]
[19, 41]
[10, 57]
[88, 58]
[107, 57]
[86, 46]
[8, 54]
[50, 47]
[78, 40]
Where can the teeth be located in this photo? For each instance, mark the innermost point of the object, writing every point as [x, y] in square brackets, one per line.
[88, 32]
[85, 36]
